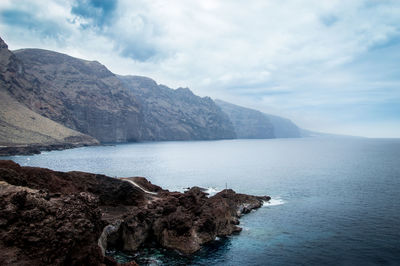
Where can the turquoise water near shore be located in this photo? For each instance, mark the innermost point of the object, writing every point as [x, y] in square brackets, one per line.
[336, 201]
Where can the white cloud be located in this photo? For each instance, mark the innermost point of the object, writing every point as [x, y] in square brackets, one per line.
[296, 58]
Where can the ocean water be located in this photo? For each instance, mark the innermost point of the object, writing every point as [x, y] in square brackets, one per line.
[334, 201]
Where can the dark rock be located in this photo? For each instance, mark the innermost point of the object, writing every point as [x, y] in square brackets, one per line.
[73, 218]
[178, 114]
[82, 95]
[22, 131]
[38, 231]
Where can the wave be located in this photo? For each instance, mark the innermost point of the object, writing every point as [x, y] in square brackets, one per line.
[274, 202]
[212, 191]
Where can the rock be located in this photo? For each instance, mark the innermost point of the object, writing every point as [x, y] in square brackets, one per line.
[253, 124]
[22, 131]
[37, 230]
[81, 95]
[178, 114]
[50, 217]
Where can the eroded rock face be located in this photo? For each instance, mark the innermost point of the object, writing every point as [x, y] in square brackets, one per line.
[182, 221]
[22, 130]
[178, 114]
[50, 217]
[82, 95]
[253, 124]
[37, 228]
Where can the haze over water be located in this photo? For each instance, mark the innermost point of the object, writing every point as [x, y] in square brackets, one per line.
[336, 200]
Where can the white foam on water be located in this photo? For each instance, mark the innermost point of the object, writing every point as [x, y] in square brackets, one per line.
[274, 202]
[212, 191]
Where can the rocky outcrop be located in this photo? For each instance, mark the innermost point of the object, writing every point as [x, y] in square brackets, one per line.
[178, 114]
[79, 94]
[49, 217]
[20, 126]
[253, 124]
[37, 228]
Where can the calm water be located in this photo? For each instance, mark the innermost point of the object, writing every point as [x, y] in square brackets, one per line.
[337, 200]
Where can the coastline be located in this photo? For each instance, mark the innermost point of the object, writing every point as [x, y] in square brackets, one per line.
[52, 217]
[31, 149]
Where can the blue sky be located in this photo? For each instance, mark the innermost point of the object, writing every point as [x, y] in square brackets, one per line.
[330, 66]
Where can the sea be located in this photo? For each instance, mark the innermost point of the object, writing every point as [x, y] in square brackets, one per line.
[335, 201]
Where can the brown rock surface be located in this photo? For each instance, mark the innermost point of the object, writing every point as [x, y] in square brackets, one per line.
[72, 218]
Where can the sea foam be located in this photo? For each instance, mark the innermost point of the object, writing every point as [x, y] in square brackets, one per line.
[274, 202]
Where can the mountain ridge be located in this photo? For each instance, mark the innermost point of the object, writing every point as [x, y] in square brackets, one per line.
[85, 97]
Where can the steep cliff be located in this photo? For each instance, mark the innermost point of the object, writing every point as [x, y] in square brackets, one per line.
[82, 95]
[20, 126]
[283, 127]
[87, 97]
[178, 114]
[248, 123]
[253, 124]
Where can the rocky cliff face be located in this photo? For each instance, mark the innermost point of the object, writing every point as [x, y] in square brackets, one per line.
[56, 218]
[19, 125]
[42, 90]
[178, 114]
[283, 127]
[248, 123]
[87, 97]
[82, 95]
[253, 124]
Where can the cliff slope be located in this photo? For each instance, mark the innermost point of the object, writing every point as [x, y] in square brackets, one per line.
[248, 123]
[19, 125]
[253, 124]
[82, 95]
[178, 114]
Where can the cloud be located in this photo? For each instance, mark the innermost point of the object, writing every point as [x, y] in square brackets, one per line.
[130, 29]
[312, 60]
[26, 19]
[99, 12]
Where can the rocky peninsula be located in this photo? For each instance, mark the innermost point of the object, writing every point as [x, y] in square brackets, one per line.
[72, 218]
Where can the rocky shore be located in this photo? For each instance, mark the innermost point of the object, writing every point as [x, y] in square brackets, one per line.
[30, 149]
[57, 218]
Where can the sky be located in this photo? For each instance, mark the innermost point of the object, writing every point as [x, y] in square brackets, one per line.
[328, 65]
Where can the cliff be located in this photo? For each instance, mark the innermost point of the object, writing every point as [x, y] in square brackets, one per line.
[73, 218]
[178, 114]
[82, 95]
[20, 126]
[51, 100]
[253, 124]
[87, 97]
[283, 127]
[248, 123]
